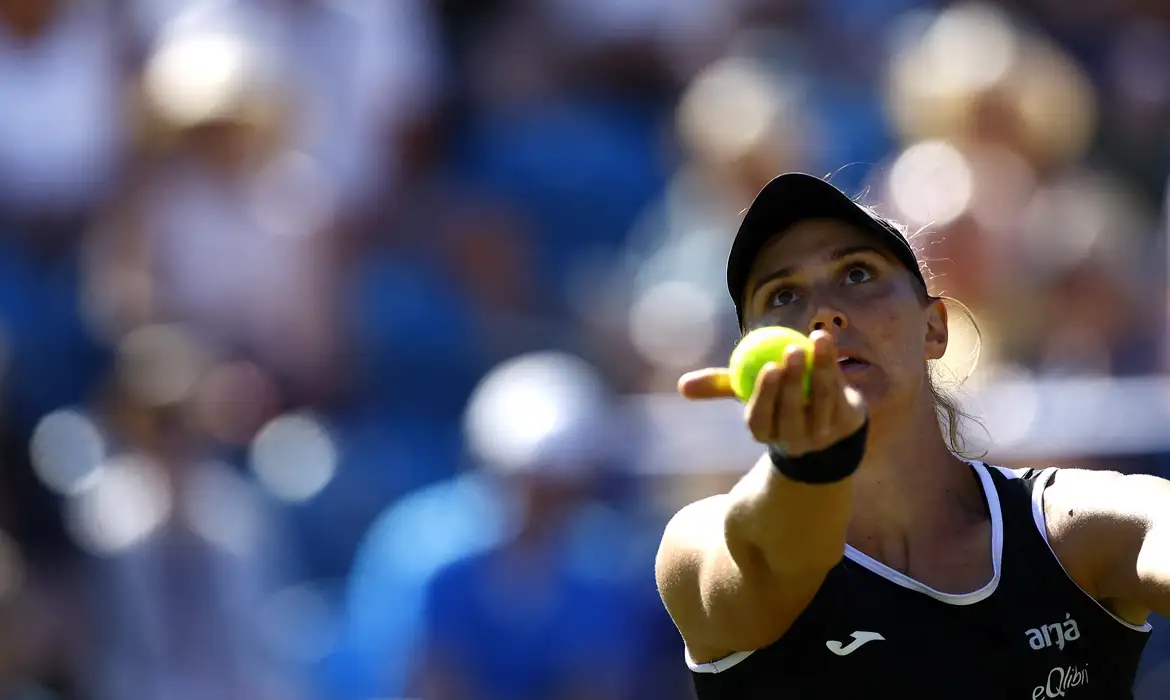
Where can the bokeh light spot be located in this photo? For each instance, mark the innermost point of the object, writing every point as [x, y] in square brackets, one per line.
[294, 457]
[67, 451]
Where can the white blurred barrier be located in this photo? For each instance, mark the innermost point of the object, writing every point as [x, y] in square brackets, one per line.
[1022, 420]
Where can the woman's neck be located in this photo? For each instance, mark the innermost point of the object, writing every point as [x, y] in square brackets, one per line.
[910, 482]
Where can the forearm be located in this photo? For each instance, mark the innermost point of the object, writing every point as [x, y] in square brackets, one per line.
[795, 527]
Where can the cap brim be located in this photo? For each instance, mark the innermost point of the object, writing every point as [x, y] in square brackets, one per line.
[794, 197]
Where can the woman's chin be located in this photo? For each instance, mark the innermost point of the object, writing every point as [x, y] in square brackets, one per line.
[871, 383]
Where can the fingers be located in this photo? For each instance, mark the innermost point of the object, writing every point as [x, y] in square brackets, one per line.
[791, 422]
[782, 412]
[761, 410]
[711, 383]
[827, 383]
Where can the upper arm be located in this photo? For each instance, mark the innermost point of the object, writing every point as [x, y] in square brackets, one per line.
[723, 601]
[1112, 534]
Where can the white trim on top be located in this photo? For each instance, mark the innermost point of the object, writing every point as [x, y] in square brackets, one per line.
[992, 496]
[1042, 525]
[895, 576]
[717, 666]
[1012, 473]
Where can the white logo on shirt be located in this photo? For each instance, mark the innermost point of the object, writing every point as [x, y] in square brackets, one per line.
[1055, 634]
[1060, 680]
[859, 639]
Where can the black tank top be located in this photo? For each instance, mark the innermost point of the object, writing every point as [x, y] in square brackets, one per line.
[870, 631]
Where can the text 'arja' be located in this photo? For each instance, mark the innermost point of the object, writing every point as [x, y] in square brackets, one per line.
[1055, 634]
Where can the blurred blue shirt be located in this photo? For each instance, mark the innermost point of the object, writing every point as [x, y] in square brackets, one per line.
[575, 621]
[414, 538]
[52, 359]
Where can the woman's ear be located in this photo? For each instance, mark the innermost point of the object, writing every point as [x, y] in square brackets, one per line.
[937, 333]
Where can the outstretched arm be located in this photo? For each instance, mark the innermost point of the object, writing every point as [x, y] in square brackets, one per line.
[736, 570]
[1112, 533]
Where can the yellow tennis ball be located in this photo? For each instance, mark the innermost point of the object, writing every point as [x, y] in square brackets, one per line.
[758, 348]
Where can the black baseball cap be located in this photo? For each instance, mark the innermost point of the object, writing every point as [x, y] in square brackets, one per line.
[794, 197]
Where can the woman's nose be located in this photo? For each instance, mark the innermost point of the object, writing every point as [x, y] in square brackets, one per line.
[826, 318]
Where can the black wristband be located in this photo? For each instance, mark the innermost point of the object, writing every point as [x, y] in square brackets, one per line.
[827, 466]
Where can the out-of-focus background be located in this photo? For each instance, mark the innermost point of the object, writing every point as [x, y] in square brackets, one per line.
[338, 338]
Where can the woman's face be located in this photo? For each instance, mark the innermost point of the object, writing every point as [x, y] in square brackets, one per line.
[825, 274]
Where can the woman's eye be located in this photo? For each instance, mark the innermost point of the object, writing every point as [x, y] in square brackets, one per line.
[783, 297]
[858, 274]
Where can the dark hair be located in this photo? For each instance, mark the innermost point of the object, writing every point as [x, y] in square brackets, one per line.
[950, 413]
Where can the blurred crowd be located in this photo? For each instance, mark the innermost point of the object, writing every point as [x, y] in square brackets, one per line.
[317, 316]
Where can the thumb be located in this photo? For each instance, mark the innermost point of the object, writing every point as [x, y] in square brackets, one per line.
[710, 383]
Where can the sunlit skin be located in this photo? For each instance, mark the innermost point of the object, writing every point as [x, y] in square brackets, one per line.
[736, 569]
[828, 279]
[828, 275]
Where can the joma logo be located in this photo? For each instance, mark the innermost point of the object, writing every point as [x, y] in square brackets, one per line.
[1055, 634]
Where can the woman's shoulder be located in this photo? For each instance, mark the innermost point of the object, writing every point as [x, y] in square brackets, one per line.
[1095, 521]
[690, 530]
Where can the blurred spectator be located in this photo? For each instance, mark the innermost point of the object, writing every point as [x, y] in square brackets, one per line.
[1135, 129]
[318, 224]
[357, 74]
[227, 229]
[186, 553]
[41, 641]
[418, 535]
[528, 526]
[554, 608]
[989, 111]
[431, 302]
[62, 84]
[578, 153]
[62, 129]
[740, 121]
[1088, 242]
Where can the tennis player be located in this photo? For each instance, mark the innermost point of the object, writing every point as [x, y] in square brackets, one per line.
[860, 557]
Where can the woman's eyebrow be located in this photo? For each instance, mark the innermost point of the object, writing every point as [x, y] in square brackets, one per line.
[838, 254]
